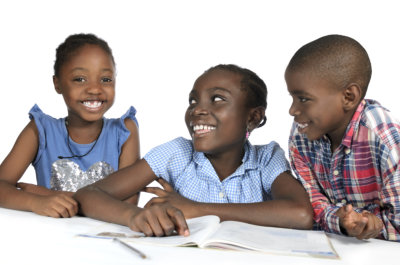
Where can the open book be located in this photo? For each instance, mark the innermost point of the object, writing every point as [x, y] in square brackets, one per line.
[208, 232]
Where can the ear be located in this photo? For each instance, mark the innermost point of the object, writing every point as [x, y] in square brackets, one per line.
[256, 115]
[56, 84]
[351, 97]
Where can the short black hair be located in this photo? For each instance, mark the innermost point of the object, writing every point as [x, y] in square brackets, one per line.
[73, 43]
[336, 58]
[251, 82]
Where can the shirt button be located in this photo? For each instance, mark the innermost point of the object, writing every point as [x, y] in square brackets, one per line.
[347, 151]
[221, 195]
[344, 202]
[335, 172]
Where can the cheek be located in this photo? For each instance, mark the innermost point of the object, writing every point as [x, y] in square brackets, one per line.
[186, 118]
[234, 121]
[112, 94]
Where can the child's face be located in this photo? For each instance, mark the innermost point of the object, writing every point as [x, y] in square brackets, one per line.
[87, 83]
[317, 106]
[217, 114]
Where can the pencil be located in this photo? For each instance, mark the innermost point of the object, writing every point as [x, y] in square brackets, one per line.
[140, 253]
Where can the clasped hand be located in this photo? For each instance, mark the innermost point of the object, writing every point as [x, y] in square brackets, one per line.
[362, 225]
[49, 202]
[163, 215]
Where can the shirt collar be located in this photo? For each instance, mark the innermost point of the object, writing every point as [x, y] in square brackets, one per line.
[249, 160]
[352, 128]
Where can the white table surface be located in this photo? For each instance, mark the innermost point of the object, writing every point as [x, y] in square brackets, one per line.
[27, 238]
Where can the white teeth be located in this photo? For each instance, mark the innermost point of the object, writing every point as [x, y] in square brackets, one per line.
[302, 125]
[92, 104]
[203, 128]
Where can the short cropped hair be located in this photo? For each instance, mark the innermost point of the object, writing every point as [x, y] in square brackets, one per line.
[336, 58]
[251, 83]
[73, 43]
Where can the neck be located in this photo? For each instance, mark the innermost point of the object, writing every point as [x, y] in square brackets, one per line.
[336, 136]
[84, 132]
[226, 163]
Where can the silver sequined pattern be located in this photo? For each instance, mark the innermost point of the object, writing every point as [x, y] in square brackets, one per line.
[68, 176]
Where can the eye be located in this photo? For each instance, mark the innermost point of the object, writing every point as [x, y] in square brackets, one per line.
[79, 79]
[192, 101]
[303, 100]
[217, 98]
[106, 80]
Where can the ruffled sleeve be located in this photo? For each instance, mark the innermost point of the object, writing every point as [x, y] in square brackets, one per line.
[37, 115]
[273, 162]
[169, 160]
[124, 132]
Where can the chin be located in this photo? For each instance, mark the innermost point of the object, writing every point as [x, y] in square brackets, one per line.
[199, 147]
[314, 137]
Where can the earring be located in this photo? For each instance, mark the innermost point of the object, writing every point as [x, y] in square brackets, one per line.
[247, 133]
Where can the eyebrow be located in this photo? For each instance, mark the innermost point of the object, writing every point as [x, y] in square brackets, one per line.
[86, 70]
[299, 93]
[213, 89]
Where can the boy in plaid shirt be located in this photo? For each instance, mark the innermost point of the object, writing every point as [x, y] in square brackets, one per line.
[344, 149]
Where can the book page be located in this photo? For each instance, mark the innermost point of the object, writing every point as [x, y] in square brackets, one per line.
[199, 229]
[243, 236]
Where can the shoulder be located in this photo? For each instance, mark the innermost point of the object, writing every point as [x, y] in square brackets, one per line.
[130, 116]
[270, 153]
[123, 126]
[126, 121]
[44, 122]
[169, 159]
[376, 116]
[270, 162]
[380, 124]
[37, 114]
[130, 125]
[178, 146]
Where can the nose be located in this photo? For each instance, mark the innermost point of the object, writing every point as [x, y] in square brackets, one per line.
[199, 109]
[94, 88]
[293, 110]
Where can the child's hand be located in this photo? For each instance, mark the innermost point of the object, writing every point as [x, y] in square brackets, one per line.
[374, 226]
[169, 195]
[159, 220]
[360, 225]
[58, 205]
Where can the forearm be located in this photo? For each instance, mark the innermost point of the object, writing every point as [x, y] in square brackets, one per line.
[97, 204]
[324, 211]
[278, 213]
[39, 190]
[13, 198]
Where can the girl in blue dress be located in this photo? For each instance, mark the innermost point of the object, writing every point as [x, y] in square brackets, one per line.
[72, 152]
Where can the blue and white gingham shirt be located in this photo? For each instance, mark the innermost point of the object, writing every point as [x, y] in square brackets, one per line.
[191, 174]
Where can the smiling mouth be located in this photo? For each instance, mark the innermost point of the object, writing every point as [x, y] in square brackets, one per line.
[302, 125]
[92, 104]
[202, 129]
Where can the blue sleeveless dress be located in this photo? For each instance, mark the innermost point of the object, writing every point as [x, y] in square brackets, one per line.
[71, 174]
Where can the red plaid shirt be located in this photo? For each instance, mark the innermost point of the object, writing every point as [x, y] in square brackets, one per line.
[363, 170]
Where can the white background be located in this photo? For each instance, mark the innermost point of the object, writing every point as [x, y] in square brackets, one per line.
[161, 47]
